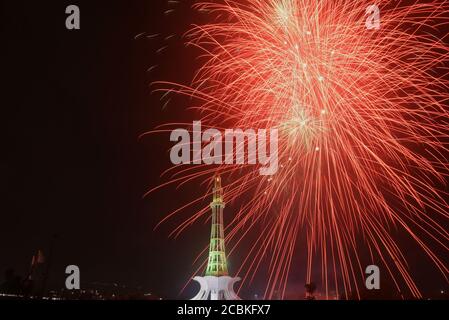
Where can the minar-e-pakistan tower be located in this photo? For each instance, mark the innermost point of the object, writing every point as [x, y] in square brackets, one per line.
[217, 284]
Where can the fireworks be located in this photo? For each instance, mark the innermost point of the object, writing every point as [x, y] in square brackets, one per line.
[362, 117]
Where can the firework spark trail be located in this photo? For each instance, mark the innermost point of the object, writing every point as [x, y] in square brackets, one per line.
[362, 116]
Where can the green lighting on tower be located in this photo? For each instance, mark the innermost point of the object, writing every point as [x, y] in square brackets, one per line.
[217, 264]
[217, 284]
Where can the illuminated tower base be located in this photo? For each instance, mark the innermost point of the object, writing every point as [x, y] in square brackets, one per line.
[216, 288]
[217, 284]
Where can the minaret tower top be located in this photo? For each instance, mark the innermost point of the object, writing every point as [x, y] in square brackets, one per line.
[218, 192]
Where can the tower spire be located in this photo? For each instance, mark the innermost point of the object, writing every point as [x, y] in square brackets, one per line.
[217, 284]
[217, 264]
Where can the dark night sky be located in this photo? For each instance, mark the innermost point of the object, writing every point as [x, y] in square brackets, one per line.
[72, 164]
[73, 106]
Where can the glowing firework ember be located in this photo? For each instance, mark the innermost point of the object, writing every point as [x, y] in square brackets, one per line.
[362, 117]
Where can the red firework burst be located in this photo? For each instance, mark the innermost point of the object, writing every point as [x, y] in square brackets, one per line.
[362, 117]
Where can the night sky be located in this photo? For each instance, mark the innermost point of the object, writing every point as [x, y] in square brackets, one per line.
[72, 165]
